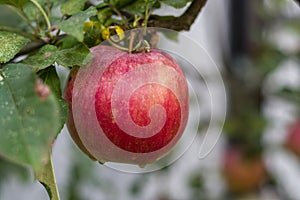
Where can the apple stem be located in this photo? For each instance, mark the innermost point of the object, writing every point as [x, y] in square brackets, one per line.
[132, 37]
[147, 46]
[116, 45]
[142, 45]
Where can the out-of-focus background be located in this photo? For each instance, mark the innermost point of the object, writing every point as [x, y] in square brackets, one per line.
[255, 46]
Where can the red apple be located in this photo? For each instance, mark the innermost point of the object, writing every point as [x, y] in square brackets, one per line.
[293, 138]
[128, 108]
[242, 174]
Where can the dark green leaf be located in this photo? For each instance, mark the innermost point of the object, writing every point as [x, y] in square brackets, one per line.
[175, 3]
[50, 77]
[7, 13]
[72, 6]
[92, 35]
[16, 3]
[68, 42]
[10, 45]
[74, 25]
[32, 12]
[35, 15]
[121, 3]
[45, 57]
[29, 119]
[102, 5]
[139, 6]
[104, 14]
[78, 55]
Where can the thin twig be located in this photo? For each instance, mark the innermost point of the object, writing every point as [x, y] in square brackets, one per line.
[119, 14]
[182, 22]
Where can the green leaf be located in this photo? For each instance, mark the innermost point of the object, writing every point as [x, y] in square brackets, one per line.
[29, 121]
[175, 3]
[102, 5]
[7, 13]
[16, 3]
[74, 25]
[47, 179]
[72, 6]
[50, 77]
[35, 15]
[68, 42]
[76, 56]
[104, 14]
[92, 36]
[10, 45]
[139, 6]
[45, 57]
[121, 3]
[32, 12]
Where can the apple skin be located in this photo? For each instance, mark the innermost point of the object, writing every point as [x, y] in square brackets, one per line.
[242, 174]
[70, 121]
[128, 108]
[293, 138]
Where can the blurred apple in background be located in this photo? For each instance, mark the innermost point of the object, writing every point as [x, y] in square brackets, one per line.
[293, 138]
[242, 174]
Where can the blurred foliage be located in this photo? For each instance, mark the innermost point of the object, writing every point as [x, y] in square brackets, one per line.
[248, 71]
[263, 53]
[245, 131]
[195, 183]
